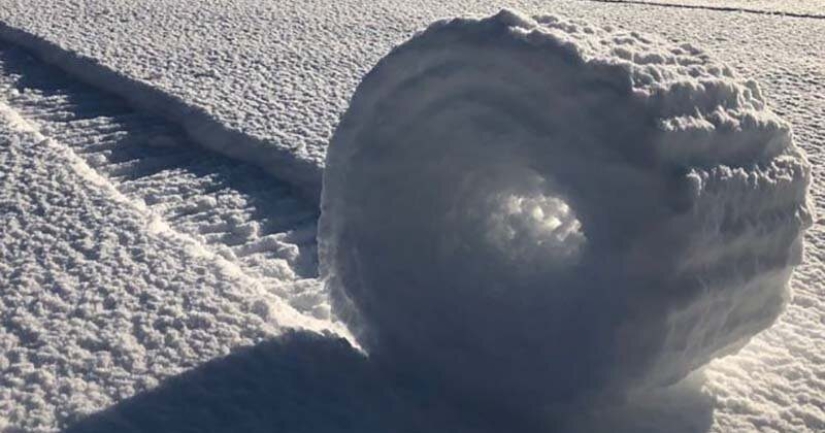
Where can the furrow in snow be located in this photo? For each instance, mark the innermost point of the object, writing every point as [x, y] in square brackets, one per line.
[237, 210]
[101, 299]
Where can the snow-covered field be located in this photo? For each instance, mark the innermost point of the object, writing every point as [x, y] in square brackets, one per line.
[130, 254]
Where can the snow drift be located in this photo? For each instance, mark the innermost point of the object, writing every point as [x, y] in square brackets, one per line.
[535, 210]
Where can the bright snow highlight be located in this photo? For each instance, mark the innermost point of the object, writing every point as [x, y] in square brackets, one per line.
[536, 210]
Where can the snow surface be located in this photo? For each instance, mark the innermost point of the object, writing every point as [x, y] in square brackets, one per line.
[609, 210]
[269, 74]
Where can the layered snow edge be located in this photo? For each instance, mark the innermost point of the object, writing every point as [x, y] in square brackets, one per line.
[535, 207]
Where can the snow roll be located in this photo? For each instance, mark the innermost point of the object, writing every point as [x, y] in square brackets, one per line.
[534, 210]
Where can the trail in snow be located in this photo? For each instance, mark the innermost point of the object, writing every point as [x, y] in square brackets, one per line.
[235, 209]
[111, 280]
[99, 300]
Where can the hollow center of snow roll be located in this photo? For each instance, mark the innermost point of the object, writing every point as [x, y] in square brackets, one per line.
[527, 225]
[536, 227]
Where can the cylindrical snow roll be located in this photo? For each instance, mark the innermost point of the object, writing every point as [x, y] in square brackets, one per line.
[533, 209]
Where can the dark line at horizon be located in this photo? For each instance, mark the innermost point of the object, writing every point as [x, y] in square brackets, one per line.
[713, 8]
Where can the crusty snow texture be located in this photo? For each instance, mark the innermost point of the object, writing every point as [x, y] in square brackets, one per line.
[537, 208]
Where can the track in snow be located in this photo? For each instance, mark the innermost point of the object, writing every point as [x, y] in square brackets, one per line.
[234, 208]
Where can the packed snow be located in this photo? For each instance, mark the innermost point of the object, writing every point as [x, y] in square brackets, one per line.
[266, 82]
[608, 210]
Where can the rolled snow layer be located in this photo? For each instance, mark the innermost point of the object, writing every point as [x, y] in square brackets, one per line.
[536, 209]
